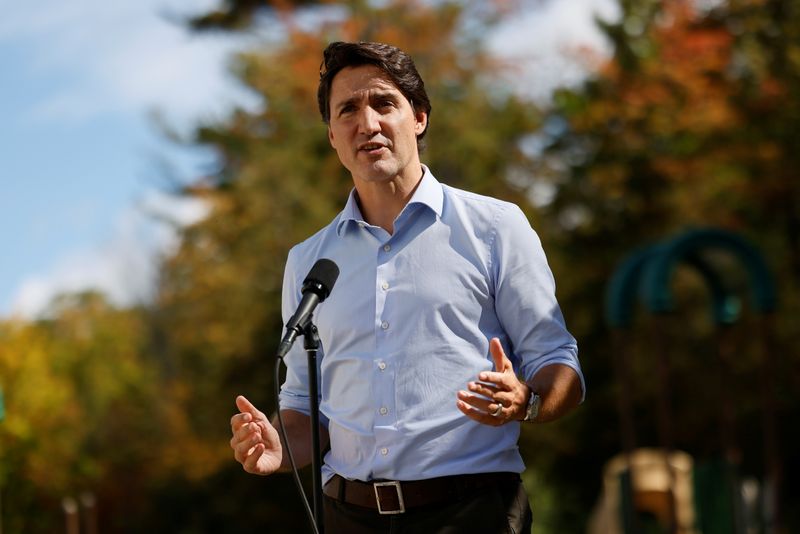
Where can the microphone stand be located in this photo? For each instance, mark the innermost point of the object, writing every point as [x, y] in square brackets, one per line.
[311, 344]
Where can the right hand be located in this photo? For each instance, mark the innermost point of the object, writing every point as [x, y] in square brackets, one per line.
[255, 442]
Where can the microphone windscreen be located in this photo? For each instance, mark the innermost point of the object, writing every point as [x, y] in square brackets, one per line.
[324, 272]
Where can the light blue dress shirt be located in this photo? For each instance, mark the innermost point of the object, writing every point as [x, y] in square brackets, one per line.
[408, 324]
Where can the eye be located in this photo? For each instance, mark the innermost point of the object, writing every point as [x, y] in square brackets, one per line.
[384, 105]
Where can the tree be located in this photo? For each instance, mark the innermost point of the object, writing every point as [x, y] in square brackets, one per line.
[82, 412]
[685, 125]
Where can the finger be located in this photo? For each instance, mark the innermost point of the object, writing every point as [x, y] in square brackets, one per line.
[479, 403]
[495, 395]
[251, 460]
[240, 419]
[236, 444]
[246, 406]
[251, 433]
[480, 388]
[244, 448]
[246, 431]
[477, 415]
[501, 381]
[501, 361]
[506, 400]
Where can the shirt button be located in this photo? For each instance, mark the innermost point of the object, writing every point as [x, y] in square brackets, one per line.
[381, 365]
[384, 410]
[385, 325]
[385, 286]
[387, 248]
[384, 451]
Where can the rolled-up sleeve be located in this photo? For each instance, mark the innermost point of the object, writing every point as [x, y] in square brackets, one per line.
[525, 299]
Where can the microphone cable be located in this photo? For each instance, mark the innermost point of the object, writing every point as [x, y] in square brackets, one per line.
[316, 288]
[295, 472]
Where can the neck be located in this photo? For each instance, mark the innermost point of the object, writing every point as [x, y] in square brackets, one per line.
[382, 202]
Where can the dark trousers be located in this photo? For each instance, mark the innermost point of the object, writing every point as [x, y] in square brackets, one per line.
[501, 509]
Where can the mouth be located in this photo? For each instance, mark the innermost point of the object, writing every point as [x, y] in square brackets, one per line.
[372, 148]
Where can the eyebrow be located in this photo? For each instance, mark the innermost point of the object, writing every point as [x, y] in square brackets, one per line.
[379, 95]
[345, 103]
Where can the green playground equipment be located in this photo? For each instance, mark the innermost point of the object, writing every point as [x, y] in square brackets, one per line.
[645, 280]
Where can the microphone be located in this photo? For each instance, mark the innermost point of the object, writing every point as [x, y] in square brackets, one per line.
[316, 288]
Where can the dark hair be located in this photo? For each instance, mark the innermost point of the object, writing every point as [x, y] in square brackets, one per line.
[390, 59]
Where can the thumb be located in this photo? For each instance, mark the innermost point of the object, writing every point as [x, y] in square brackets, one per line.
[245, 406]
[501, 361]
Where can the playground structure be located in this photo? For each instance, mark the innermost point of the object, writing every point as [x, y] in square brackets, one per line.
[682, 495]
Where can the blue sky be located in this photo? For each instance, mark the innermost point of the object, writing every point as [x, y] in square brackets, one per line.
[83, 163]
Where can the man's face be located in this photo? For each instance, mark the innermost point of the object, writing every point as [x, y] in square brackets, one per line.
[372, 126]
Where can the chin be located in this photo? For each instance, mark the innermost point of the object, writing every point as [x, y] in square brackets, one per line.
[381, 171]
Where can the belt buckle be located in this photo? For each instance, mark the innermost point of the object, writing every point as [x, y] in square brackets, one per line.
[399, 491]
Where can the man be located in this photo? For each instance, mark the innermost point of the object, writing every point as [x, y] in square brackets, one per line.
[444, 297]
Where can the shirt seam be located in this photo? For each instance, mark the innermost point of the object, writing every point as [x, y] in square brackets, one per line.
[492, 240]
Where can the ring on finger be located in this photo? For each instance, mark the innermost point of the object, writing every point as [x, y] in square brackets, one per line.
[497, 411]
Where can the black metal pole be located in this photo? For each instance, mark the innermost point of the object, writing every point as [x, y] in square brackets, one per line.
[311, 344]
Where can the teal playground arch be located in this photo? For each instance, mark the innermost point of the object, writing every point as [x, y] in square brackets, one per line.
[644, 281]
[646, 276]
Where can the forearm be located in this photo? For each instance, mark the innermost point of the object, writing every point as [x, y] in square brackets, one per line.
[559, 387]
[298, 431]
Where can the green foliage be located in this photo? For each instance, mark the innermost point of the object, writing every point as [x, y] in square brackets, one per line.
[683, 126]
[82, 410]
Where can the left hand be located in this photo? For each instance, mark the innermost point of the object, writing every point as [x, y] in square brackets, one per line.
[499, 388]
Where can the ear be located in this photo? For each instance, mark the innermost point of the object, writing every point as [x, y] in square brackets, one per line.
[330, 137]
[421, 122]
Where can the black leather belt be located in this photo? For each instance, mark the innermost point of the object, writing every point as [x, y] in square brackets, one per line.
[395, 497]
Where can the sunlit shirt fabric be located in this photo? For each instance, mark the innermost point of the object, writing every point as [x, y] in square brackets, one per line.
[408, 324]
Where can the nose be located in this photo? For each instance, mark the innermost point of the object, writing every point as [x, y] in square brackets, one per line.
[369, 121]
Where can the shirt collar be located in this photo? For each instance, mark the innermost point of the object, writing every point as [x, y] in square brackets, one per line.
[428, 193]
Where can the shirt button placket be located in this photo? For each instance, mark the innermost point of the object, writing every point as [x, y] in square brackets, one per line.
[384, 401]
[382, 286]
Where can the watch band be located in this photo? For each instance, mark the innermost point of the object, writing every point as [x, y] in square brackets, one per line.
[534, 403]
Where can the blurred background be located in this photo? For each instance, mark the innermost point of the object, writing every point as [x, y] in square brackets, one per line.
[161, 157]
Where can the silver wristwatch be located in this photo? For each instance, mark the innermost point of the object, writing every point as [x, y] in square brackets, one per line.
[534, 403]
